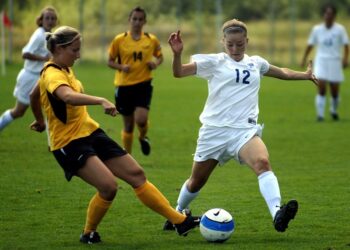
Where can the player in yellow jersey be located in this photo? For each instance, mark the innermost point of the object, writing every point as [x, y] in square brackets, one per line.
[81, 147]
[134, 54]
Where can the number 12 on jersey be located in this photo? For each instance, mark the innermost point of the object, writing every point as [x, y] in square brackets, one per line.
[246, 75]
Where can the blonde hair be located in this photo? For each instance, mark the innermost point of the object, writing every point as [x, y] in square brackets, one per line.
[39, 19]
[234, 26]
[62, 36]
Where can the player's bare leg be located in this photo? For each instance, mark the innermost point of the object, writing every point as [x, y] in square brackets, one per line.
[190, 189]
[9, 115]
[255, 154]
[141, 120]
[127, 132]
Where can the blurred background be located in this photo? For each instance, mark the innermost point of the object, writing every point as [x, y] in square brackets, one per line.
[277, 29]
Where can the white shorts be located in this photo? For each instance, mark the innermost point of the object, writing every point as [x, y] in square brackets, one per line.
[26, 81]
[330, 70]
[223, 143]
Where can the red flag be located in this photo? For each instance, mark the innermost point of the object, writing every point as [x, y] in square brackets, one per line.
[6, 20]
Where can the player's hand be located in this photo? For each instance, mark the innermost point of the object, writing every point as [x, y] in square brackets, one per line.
[109, 108]
[152, 65]
[125, 68]
[310, 74]
[37, 126]
[175, 42]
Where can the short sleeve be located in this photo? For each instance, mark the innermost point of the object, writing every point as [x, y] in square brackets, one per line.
[36, 41]
[345, 38]
[262, 64]
[312, 37]
[54, 79]
[113, 50]
[206, 64]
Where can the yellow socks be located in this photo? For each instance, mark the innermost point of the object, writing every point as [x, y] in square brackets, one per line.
[96, 211]
[155, 200]
[143, 130]
[127, 139]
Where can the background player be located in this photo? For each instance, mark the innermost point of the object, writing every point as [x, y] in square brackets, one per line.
[230, 129]
[132, 54]
[329, 37]
[34, 54]
[81, 147]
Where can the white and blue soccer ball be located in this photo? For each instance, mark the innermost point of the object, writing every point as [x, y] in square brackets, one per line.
[217, 225]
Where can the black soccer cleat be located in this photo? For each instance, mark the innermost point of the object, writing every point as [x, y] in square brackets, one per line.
[168, 226]
[145, 146]
[90, 238]
[284, 215]
[189, 223]
[320, 119]
[335, 116]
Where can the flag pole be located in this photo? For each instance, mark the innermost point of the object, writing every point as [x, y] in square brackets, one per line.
[3, 60]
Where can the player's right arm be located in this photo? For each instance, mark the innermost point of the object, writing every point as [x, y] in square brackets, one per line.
[179, 69]
[113, 53]
[69, 96]
[306, 55]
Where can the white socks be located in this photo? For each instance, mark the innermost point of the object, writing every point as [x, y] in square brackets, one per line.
[270, 190]
[334, 105]
[320, 103]
[185, 198]
[5, 119]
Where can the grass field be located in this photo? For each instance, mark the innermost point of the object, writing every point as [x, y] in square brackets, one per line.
[40, 210]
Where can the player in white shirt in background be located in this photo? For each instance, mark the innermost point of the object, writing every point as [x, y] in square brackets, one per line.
[35, 54]
[229, 119]
[329, 37]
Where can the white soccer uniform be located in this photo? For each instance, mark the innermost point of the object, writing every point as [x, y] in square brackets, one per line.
[329, 42]
[30, 73]
[231, 111]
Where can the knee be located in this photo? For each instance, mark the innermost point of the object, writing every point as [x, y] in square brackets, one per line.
[261, 165]
[17, 113]
[141, 122]
[138, 178]
[109, 190]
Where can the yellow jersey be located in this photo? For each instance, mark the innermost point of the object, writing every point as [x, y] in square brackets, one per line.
[65, 122]
[136, 54]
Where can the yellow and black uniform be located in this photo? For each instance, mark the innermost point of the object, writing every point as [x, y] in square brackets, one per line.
[133, 88]
[136, 54]
[74, 135]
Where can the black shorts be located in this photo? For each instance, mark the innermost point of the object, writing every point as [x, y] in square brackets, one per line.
[73, 156]
[127, 98]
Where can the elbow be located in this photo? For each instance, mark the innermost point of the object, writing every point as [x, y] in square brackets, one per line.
[177, 74]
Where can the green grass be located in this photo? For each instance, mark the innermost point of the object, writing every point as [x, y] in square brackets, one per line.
[40, 210]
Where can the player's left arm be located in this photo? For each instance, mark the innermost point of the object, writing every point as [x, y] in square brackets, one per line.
[288, 74]
[39, 123]
[157, 54]
[346, 56]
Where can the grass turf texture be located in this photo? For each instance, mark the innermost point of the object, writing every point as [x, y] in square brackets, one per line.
[40, 210]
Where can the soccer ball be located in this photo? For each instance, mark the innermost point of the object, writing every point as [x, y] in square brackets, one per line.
[217, 225]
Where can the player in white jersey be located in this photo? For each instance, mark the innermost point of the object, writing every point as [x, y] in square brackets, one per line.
[35, 55]
[329, 37]
[229, 119]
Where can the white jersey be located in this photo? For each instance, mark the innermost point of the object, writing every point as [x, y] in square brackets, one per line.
[233, 89]
[329, 41]
[36, 46]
